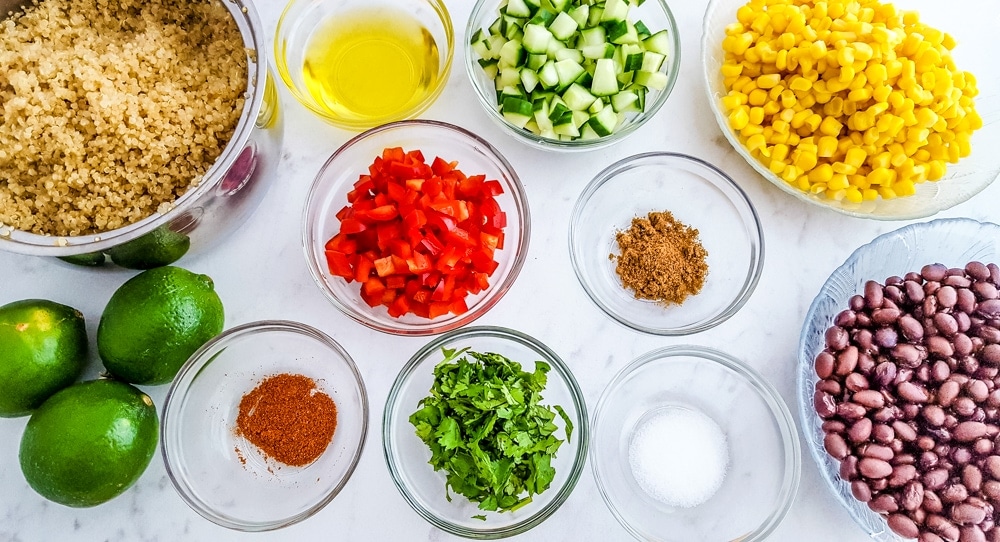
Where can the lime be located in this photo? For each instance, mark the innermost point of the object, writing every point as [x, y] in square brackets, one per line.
[89, 442]
[43, 348]
[155, 321]
[159, 247]
[90, 259]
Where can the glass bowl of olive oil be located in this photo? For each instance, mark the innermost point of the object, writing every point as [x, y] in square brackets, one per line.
[363, 63]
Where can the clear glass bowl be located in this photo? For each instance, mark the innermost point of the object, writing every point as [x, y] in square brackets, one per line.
[303, 20]
[407, 456]
[336, 178]
[973, 24]
[225, 478]
[655, 14]
[764, 456]
[953, 242]
[697, 194]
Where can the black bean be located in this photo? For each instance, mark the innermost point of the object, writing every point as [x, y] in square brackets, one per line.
[934, 272]
[873, 294]
[886, 337]
[984, 290]
[977, 270]
[903, 526]
[836, 338]
[947, 296]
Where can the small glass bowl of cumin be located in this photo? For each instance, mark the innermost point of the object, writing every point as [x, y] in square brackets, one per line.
[666, 243]
[251, 383]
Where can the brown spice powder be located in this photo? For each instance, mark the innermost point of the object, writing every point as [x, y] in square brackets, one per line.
[661, 259]
[288, 418]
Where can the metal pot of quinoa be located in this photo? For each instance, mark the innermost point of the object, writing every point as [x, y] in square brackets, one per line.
[127, 118]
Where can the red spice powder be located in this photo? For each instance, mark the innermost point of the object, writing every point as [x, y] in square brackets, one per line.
[288, 418]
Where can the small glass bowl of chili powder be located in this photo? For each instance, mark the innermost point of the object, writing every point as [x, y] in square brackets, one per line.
[666, 243]
[264, 425]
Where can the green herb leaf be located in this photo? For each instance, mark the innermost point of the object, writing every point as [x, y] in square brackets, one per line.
[485, 426]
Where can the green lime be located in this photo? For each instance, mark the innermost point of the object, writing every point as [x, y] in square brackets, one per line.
[89, 442]
[155, 321]
[90, 259]
[43, 349]
[159, 247]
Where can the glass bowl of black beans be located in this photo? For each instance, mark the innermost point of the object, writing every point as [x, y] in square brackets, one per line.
[899, 382]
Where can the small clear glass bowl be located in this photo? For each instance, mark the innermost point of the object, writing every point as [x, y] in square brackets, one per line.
[303, 20]
[953, 242]
[407, 456]
[974, 28]
[655, 14]
[763, 447]
[221, 475]
[697, 194]
[337, 177]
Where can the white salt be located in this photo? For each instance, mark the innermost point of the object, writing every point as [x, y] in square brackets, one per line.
[679, 456]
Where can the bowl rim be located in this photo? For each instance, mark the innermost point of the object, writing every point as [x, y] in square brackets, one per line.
[581, 430]
[497, 289]
[805, 366]
[777, 406]
[286, 20]
[190, 371]
[755, 230]
[257, 81]
[706, 51]
[539, 142]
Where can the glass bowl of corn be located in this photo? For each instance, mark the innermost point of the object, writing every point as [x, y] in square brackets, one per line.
[872, 109]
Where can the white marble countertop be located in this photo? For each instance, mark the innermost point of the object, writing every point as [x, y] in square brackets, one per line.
[260, 273]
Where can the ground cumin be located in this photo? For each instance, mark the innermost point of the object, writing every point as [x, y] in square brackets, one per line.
[661, 259]
[288, 418]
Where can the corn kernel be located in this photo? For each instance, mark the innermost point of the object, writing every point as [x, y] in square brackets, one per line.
[739, 118]
[756, 115]
[730, 69]
[853, 195]
[830, 126]
[838, 182]
[821, 173]
[768, 81]
[855, 157]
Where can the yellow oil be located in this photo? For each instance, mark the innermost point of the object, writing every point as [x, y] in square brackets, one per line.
[370, 64]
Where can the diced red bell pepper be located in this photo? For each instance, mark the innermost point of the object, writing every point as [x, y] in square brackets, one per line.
[419, 238]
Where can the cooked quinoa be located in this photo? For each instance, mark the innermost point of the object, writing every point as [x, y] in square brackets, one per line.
[111, 108]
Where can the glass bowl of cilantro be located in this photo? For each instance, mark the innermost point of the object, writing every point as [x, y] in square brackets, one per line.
[485, 432]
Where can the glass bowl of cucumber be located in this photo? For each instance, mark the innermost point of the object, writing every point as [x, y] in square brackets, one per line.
[569, 75]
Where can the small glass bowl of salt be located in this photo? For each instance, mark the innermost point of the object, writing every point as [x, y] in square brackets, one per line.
[690, 444]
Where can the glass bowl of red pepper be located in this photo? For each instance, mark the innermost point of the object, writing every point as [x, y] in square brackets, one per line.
[416, 227]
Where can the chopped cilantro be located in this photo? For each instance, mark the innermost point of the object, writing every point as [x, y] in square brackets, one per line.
[486, 428]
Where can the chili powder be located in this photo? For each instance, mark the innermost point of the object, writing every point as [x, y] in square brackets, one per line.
[288, 418]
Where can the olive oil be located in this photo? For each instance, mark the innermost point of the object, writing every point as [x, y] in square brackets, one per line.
[371, 64]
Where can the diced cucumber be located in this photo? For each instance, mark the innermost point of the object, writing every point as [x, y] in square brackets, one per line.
[519, 8]
[572, 54]
[593, 52]
[548, 76]
[535, 62]
[580, 118]
[594, 35]
[536, 38]
[578, 98]
[631, 57]
[642, 30]
[509, 76]
[511, 54]
[543, 17]
[605, 82]
[651, 62]
[568, 71]
[626, 101]
[653, 80]
[580, 14]
[563, 26]
[558, 5]
[615, 10]
[587, 133]
[571, 69]
[605, 122]
[490, 67]
[658, 43]
[529, 79]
